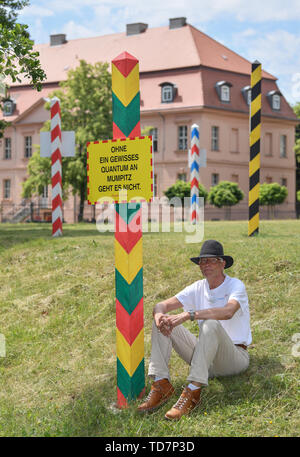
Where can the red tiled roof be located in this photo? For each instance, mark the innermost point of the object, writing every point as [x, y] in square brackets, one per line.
[157, 49]
[25, 100]
[188, 58]
[237, 102]
[215, 55]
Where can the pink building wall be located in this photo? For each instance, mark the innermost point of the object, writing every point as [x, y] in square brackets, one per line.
[202, 63]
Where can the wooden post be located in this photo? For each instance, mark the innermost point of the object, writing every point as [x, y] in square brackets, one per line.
[194, 170]
[56, 168]
[254, 164]
[128, 243]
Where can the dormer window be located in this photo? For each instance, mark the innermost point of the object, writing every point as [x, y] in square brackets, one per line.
[246, 92]
[8, 107]
[168, 92]
[225, 94]
[223, 91]
[274, 97]
[276, 101]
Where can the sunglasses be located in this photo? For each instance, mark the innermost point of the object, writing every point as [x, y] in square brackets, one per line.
[212, 260]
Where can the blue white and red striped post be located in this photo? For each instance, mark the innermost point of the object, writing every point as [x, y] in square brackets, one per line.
[194, 169]
[56, 167]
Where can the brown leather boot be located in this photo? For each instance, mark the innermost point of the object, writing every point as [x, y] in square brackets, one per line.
[188, 400]
[160, 392]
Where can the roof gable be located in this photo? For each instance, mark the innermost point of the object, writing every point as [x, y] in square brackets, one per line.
[157, 49]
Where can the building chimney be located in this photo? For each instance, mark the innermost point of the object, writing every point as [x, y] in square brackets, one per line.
[56, 40]
[177, 22]
[136, 28]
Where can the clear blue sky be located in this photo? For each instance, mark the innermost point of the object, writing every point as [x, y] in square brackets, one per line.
[266, 30]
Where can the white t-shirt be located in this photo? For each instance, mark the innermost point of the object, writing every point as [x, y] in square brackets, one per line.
[199, 296]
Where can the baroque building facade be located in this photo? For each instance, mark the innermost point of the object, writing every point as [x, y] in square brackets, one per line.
[186, 77]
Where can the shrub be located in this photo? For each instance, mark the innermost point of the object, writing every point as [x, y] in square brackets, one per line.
[225, 194]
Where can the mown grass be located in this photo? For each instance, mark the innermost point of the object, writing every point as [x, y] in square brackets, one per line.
[57, 313]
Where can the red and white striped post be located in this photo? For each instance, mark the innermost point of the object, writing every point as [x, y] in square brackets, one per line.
[56, 168]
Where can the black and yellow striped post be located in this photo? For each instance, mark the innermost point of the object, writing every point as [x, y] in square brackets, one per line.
[254, 164]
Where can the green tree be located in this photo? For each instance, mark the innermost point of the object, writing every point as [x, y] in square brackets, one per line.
[86, 108]
[182, 189]
[17, 56]
[272, 194]
[297, 153]
[225, 194]
[39, 175]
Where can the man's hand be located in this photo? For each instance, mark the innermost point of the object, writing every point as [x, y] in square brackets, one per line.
[161, 318]
[165, 323]
[162, 324]
[176, 319]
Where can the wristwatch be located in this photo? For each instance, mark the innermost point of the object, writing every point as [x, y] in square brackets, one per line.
[192, 315]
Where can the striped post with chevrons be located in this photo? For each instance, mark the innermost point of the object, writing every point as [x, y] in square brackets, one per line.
[128, 242]
[254, 164]
[56, 168]
[194, 168]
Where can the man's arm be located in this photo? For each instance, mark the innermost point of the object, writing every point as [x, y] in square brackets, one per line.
[219, 314]
[224, 313]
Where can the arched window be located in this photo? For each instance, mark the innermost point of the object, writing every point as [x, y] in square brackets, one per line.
[274, 97]
[168, 92]
[8, 107]
[276, 102]
[223, 91]
[246, 92]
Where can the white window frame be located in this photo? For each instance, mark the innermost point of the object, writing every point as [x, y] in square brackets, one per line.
[8, 108]
[182, 137]
[27, 146]
[45, 192]
[154, 134]
[249, 97]
[283, 146]
[167, 93]
[6, 189]
[225, 93]
[182, 177]
[215, 136]
[44, 197]
[7, 148]
[155, 185]
[276, 102]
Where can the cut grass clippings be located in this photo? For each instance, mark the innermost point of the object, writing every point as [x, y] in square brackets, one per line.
[57, 313]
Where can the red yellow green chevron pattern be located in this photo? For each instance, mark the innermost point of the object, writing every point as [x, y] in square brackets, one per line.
[254, 164]
[128, 242]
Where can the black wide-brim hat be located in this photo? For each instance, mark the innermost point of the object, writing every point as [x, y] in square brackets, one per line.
[212, 248]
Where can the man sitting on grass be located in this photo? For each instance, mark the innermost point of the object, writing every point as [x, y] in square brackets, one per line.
[220, 305]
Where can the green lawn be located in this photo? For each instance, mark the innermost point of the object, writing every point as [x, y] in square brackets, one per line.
[57, 314]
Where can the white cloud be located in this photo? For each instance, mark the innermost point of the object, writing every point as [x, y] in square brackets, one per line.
[74, 30]
[278, 52]
[35, 10]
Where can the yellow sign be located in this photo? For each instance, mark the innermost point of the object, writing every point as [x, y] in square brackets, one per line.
[116, 166]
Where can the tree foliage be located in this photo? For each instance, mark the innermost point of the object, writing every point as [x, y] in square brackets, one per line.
[271, 194]
[39, 175]
[225, 193]
[182, 189]
[17, 56]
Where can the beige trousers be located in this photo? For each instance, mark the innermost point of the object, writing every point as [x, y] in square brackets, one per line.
[211, 354]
